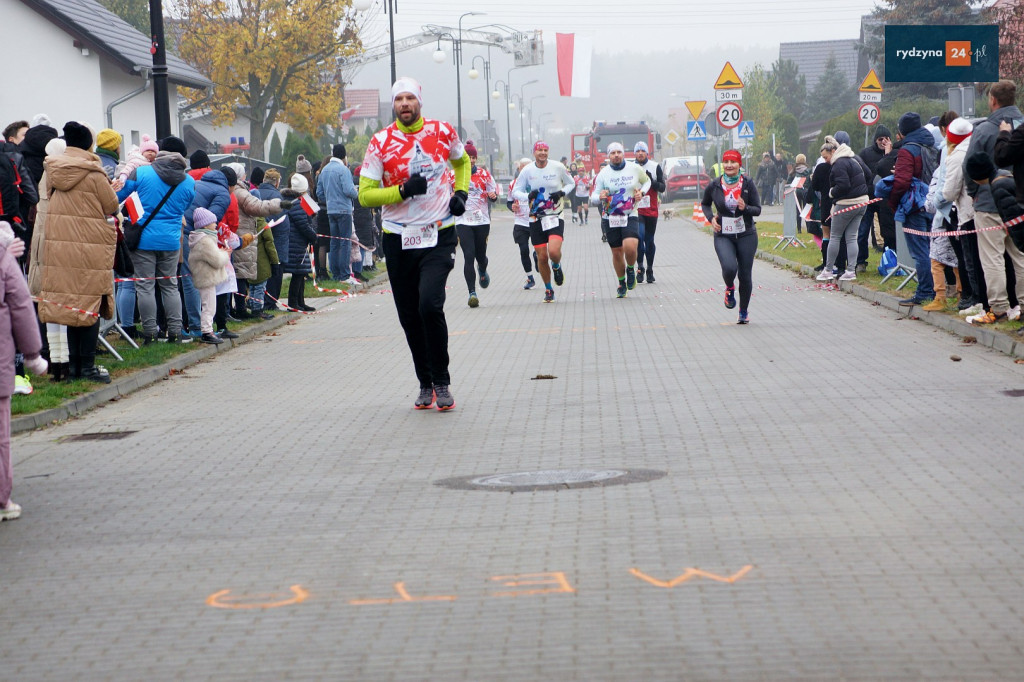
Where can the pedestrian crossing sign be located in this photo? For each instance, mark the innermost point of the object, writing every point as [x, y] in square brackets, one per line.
[695, 130]
[746, 131]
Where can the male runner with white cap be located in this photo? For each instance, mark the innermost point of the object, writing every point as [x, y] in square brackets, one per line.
[404, 171]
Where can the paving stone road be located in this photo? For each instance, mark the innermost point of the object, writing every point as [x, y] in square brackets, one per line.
[840, 499]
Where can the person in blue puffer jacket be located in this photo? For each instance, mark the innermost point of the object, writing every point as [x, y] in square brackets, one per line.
[214, 194]
[160, 244]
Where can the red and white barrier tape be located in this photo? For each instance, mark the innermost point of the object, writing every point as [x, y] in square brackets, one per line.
[66, 307]
[371, 249]
[319, 288]
[856, 206]
[958, 233]
[141, 279]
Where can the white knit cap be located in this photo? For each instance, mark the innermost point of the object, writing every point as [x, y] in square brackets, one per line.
[238, 168]
[299, 183]
[615, 147]
[640, 146]
[56, 147]
[406, 84]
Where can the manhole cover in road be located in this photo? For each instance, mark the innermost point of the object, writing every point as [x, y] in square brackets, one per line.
[550, 479]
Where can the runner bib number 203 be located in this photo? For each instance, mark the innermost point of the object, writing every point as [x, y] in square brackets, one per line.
[419, 236]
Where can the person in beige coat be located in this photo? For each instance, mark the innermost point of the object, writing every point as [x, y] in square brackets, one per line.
[250, 207]
[76, 278]
[56, 335]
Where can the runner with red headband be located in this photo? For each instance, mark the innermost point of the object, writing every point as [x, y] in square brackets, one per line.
[544, 184]
[736, 202]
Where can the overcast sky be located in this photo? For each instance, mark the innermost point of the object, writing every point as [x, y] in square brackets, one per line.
[649, 56]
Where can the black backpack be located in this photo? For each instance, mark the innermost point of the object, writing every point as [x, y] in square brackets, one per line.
[929, 162]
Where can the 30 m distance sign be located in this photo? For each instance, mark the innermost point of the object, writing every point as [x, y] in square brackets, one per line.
[729, 115]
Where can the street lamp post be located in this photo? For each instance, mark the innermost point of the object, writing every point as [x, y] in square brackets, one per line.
[474, 74]
[508, 119]
[522, 106]
[540, 125]
[161, 103]
[530, 114]
[389, 7]
[458, 77]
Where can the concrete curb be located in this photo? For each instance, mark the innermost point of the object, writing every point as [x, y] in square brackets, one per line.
[150, 375]
[989, 338]
[986, 337]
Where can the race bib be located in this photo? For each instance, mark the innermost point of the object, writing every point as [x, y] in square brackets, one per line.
[419, 237]
[732, 225]
[618, 220]
[549, 222]
[645, 202]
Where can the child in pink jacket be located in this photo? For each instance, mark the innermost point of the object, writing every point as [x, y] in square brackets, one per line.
[19, 331]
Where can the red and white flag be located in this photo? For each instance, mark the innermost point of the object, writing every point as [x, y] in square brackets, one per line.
[133, 204]
[574, 57]
[308, 205]
[805, 212]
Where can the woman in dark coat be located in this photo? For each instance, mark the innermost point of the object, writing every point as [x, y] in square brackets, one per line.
[323, 227]
[302, 235]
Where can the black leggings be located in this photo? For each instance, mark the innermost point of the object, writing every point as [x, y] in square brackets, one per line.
[417, 279]
[473, 240]
[648, 225]
[736, 254]
[521, 235]
[82, 347]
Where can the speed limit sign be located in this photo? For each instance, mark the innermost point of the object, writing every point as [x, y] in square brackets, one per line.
[868, 114]
[729, 115]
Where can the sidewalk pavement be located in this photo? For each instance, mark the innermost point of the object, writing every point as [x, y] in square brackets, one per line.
[832, 496]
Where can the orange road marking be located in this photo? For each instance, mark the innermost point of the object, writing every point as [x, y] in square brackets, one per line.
[217, 599]
[556, 578]
[690, 573]
[404, 596]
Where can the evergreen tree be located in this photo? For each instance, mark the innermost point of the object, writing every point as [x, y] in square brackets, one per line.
[135, 12]
[276, 152]
[295, 144]
[791, 86]
[831, 95]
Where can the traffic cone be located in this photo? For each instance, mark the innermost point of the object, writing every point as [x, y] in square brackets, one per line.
[698, 214]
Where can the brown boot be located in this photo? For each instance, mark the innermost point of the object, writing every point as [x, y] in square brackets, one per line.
[939, 282]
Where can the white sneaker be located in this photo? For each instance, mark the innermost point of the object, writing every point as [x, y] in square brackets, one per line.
[353, 282]
[11, 512]
[848, 276]
[1013, 313]
[826, 275]
[973, 310]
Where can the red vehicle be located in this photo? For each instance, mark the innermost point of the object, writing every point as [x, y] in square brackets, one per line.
[589, 149]
[684, 176]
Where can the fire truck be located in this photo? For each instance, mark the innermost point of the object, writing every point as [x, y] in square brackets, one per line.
[589, 149]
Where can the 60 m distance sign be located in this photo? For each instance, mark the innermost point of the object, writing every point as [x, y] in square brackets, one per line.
[729, 115]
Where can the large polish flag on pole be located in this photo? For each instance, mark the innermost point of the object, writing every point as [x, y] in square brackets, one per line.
[574, 56]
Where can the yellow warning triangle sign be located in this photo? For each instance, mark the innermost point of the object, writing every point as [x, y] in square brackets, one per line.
[728, 79]
[696, 108]
[871, 83]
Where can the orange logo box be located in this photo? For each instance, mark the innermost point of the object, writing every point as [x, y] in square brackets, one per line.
[958, 53]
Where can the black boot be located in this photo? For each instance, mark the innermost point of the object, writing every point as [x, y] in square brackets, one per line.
[74, 367]
[295, 287]
[302, 297]
[824, 255]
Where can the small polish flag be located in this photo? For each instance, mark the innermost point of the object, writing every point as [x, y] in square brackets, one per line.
[574, 57]
[806, 212]
[133, 204]
[798, 182]
[308, 205]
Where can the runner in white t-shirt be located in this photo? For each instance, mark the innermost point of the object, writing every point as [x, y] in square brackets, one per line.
[474, 226]
[618, 189]
[521, 228]
[406, 172]
[544, 184]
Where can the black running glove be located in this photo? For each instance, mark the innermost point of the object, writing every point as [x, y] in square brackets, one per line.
[415, 186]
[557, 196]
[457, 204]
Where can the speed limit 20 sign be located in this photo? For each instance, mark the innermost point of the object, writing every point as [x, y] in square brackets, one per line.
[868, 114]
[729, 115]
